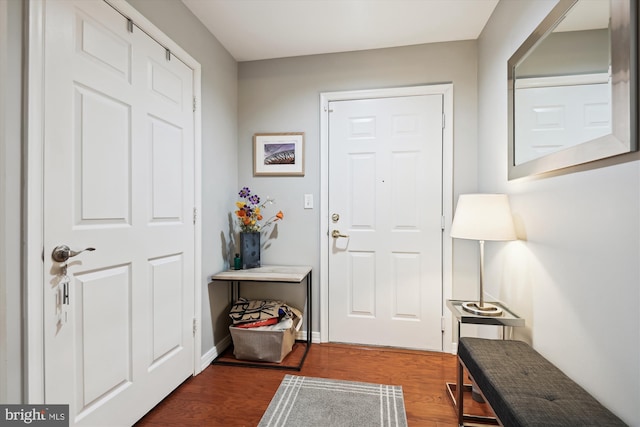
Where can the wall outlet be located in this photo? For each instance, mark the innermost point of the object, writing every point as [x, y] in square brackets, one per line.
[308, 201]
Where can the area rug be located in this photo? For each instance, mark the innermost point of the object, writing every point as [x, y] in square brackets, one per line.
[318, 402]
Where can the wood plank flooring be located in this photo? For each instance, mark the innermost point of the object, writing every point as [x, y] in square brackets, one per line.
[238, 396]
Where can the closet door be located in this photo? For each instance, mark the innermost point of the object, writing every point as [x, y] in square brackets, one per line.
[118, 160]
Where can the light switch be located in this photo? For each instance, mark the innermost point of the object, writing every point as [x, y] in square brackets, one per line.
[308, 201]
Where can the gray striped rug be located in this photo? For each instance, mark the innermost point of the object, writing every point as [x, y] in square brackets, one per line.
[310, 402]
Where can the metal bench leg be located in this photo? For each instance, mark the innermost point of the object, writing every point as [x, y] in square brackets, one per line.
[456, 394]
[460, 394]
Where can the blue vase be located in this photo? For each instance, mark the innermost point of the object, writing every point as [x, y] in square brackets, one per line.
[250, 249]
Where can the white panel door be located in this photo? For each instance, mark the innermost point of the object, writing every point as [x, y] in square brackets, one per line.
[385, 196]
[118, 160]
[554, 118]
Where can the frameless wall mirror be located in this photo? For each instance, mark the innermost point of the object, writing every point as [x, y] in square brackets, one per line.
[573, 87]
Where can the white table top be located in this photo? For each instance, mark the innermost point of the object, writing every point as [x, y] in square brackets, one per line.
[267, 273]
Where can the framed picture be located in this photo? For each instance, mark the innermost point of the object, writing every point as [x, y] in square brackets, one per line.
[278, 154]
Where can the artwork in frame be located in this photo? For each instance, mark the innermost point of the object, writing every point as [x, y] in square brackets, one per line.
[278, 154]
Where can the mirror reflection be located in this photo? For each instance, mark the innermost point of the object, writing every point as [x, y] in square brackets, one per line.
[572, 87]
[562, 87]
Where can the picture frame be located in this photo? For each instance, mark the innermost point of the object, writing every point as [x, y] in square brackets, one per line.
[278, 154]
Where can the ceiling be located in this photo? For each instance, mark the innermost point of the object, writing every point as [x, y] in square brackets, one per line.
[264, 29]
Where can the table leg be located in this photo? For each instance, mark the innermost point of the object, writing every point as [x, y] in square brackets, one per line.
[309, 308]
[308, 322]
[460, 394]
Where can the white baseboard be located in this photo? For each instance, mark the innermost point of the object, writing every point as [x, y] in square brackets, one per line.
[302, 335]
[214, 352]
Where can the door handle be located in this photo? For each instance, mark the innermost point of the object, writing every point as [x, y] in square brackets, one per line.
[336, 233]
[62, 253]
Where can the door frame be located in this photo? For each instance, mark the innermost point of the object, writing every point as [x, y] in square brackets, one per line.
[33, 254]
[446, 90]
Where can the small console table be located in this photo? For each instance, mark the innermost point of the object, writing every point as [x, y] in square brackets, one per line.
[275, 274]
[507, 319]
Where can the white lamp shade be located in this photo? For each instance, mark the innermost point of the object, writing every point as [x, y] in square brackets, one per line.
[483, 217]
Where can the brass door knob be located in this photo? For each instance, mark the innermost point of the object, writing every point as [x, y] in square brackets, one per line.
[336, 233]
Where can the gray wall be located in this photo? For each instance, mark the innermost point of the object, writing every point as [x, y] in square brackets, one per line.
[282, 95]
[219, 103]
[569, 53]
[575, 278]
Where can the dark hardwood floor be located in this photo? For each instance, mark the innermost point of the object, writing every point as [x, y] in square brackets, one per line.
[238, 396]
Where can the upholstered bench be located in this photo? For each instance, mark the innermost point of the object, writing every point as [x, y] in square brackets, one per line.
[525, 389]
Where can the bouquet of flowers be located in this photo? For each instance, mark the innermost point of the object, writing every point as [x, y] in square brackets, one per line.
[249, 211]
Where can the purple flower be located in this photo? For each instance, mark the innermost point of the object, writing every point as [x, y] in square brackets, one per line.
[244, 193]
[254, 199]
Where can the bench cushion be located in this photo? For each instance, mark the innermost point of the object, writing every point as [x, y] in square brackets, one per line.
[524, 389]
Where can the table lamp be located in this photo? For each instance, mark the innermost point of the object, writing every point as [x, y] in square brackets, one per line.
[483, 217]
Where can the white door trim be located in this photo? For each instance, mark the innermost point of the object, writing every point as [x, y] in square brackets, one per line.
[34, 234]
[446, 90]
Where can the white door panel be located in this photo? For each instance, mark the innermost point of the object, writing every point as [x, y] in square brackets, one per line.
[103, 332]
[385, 183]
[118, 168]
[558, 117]
[102, 148]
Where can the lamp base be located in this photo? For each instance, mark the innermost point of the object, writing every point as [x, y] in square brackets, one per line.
[486, 309]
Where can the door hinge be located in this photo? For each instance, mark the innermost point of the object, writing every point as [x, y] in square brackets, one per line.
[195, 215]
[130, 25]
[195, 326]
[442, 323]
[167, 53]
[443, 120]
[442, 222]
[194, 104]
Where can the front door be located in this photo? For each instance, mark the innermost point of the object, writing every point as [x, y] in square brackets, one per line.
[385, 221]
[118, 177]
